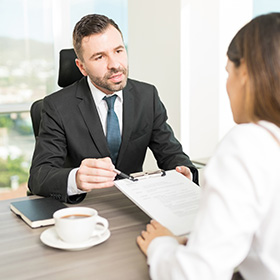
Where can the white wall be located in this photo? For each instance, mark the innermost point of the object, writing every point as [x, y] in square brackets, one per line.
[180, 46]
[154, 51]
[210, 26]
[233, 15]
[200, 21]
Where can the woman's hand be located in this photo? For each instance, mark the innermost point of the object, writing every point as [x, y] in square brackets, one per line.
[153, 230]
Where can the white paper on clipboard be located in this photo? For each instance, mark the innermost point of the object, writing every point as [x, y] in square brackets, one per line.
[172, 200]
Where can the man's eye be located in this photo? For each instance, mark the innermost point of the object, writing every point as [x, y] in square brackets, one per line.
[98, 57]
[119, 51]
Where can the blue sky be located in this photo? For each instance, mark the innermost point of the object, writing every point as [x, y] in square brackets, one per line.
[265, 6]
[38, 22]
[33, 18]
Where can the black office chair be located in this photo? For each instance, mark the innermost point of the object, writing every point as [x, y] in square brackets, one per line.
[67, 75]
[68, 71]
[35, 112]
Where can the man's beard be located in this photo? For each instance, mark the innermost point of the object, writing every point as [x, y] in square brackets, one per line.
[104, 81]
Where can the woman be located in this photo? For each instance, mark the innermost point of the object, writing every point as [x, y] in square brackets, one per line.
[238, 222]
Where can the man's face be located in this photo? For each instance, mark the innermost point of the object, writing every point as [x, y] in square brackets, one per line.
[105, 60]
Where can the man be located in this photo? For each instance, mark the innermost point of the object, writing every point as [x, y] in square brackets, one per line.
[72, 155]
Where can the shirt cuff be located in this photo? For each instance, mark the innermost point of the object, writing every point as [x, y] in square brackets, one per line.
[160, 252]
[72, 188]
[160, 245]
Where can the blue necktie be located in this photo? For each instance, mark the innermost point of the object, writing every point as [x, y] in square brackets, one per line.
[113, 129]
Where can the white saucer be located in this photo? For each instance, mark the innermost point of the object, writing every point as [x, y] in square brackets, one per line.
[49, 237]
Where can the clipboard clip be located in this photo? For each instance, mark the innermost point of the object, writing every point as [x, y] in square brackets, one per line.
[148, 174]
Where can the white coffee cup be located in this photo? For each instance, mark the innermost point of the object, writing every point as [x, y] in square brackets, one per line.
[78, 224]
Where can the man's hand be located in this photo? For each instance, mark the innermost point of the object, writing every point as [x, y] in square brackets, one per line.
[95, 174]
[185, 171]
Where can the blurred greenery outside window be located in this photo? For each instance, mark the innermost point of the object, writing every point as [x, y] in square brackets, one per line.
[29, 46]
[27, 73]
[14, 163]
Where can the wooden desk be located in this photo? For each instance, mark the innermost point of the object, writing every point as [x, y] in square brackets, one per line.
[24, 256]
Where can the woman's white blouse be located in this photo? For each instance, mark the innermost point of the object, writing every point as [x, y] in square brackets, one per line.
[238, 224]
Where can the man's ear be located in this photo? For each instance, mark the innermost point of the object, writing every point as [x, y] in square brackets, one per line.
[80, 65]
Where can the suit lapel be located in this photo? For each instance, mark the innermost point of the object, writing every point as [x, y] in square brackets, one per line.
[128, 117]
[90, 115]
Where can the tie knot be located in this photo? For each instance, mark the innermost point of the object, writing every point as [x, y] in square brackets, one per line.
[110, 101]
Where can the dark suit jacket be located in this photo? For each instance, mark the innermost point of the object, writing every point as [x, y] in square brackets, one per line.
[71, 131]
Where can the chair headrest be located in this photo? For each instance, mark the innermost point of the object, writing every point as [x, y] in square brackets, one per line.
[68, 71]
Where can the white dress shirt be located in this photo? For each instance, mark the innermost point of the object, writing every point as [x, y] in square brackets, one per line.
[238, 221]
[102, 109]
[102, 106]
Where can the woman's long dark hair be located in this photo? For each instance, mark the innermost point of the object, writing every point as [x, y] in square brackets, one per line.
[257, 44]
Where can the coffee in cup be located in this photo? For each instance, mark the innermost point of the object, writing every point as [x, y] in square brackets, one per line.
[79, 224]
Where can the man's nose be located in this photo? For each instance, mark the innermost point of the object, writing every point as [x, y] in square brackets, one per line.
[113, 63]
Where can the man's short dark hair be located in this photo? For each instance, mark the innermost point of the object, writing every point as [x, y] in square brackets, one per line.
[89, 25]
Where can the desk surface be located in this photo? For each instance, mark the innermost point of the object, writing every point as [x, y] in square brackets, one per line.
[24, 256]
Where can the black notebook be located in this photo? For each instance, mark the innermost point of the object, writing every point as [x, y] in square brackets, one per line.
[37, 212]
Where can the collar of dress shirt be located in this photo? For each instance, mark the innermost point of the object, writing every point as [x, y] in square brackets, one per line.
[98, 95]
[101, 105]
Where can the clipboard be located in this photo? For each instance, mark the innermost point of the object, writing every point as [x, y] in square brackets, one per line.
[165, 196]
[148, 174]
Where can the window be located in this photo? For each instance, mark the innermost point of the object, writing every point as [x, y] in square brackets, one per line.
[265, 6]
[32, 32]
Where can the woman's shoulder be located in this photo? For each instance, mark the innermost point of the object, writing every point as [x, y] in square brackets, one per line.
[250, 139]
[256, 132]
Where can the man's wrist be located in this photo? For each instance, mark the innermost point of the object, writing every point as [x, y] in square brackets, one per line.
[72, 188]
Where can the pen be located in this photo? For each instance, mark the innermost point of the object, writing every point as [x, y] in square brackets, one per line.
[125, 176]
